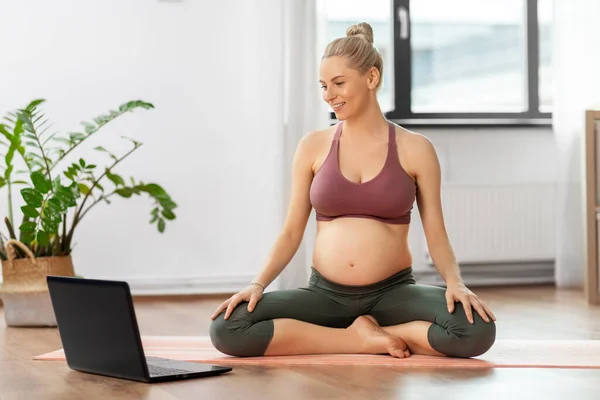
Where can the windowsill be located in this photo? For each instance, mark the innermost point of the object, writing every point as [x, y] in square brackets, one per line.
[475, 123]
[471, 123]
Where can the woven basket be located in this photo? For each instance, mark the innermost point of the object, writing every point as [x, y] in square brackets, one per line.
[24, 290]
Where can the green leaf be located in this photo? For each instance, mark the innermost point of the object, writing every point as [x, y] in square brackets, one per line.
[50, 226]
[4, 130]
[135, 142]
[83, 188]
[168, 214]
[76, 136]
[2, 182]
[154, 189]
[27, 237]
[34, 155]
[66, 196]
[74, 189]
[55, 205]
[43, 238]
[35, 163]
[89, 128]
[40, 182]
[28, 127]
[124, 192]
[116, 179]
[56, 182]
[18, 129]
[28, 226]
[34, 104]
[30, 211]
[51, 215]
[161, 225]
[168, 204]
[9, 156]
[102, 119]
[32, 197]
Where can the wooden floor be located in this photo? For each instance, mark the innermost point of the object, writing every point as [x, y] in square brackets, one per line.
[538, 312]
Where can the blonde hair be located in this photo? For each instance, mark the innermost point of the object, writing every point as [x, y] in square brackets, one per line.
[358, 49]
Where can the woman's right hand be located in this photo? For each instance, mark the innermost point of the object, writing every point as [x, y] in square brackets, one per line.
[252, 294]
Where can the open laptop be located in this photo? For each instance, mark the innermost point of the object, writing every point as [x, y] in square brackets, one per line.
[99, 333]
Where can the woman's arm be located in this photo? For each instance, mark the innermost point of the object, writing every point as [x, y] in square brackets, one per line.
[428, 177]
[429, 202]
[299, 209]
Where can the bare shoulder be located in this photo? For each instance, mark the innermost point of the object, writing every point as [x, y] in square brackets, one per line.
[318, 137]
[414, 140]
[414, 150]
[315, 145]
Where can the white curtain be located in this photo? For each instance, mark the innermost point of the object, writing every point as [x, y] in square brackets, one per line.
[303, 33]
[304, 40]
[576, 61]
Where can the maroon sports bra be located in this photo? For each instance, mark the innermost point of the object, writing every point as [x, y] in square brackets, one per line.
[389, 197]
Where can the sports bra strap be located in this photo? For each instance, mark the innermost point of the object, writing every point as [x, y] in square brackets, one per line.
[338, 132]
[392, 137]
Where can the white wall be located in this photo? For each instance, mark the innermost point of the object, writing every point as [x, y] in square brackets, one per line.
[208, 142]
[216, 150]
[491, 156]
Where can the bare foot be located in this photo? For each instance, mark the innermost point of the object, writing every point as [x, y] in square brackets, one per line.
[375, 340]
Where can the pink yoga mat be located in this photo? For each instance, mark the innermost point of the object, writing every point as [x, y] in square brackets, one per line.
[504, 354]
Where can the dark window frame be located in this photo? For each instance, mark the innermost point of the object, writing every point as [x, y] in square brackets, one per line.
[402, 113]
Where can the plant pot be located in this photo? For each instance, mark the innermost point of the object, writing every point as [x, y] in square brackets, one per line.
[24, 290]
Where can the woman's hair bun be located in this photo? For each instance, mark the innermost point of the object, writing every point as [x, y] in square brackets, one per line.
[362, 28]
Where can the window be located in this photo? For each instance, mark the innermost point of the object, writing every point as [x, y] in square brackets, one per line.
[459, 62]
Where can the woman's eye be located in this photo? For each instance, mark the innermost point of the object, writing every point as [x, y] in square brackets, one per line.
[339, 83]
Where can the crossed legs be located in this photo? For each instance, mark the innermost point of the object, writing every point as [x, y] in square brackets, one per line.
[310, 321]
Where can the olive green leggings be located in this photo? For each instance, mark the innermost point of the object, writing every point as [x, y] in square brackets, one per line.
[395, 300]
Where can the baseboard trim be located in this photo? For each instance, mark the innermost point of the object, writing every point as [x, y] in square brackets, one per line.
[192, 285]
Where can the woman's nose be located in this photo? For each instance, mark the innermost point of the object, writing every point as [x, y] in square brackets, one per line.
[328, 95]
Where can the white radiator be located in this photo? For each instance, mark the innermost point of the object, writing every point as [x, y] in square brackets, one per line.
[500, 223]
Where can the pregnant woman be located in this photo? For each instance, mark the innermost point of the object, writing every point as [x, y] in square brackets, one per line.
[362, 176]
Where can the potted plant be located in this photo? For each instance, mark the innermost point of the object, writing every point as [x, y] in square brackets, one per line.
[58, 190]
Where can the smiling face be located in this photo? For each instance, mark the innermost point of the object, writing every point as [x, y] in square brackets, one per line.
[344, 88]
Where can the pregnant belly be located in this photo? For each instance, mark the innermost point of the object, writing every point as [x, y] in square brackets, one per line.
[360, 251]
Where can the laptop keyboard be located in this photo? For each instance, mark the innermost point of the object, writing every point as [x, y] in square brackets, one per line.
[155, 370]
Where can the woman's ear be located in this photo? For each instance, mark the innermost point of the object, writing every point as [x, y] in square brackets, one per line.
[373, 77]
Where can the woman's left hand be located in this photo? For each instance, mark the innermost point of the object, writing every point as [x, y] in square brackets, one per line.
[459, 292]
